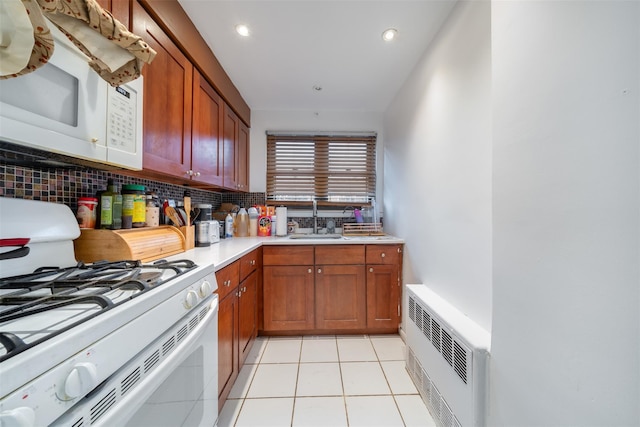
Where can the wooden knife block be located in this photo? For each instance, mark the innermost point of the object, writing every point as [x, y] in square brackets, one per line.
[145, 244]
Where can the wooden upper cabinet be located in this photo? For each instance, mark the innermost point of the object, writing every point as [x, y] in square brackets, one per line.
[242, 165]
[236, 152]
[168, 89]
[231, 136]
[206, 147]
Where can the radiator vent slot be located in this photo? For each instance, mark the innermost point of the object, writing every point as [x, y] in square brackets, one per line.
[78, 423]
[430, 394]
[455, 353]
[130, 381]
[460, 358]
[103, 405]
[447, 347]
[447, 357]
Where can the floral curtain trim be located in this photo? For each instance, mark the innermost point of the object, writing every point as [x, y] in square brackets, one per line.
[115, 53]
[42, 41]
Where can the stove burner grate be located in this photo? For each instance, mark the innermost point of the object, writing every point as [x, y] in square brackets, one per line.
[87, 285]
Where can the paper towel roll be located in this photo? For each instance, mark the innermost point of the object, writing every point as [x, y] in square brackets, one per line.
[281, 221]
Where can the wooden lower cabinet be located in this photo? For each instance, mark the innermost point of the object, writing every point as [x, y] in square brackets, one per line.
[288, 293]
[331, 289]
[247, 315]
[228, 362]
[383, 296]
[237, 318]
[340, 297]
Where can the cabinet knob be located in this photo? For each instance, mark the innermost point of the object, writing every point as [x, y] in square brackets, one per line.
[309, 271]
[189, 172]
[196, 173]
[382, 255]
[94, 140]
[319, 270]
[371, 270]
[399, 250]
[253, 262]
[244, 289]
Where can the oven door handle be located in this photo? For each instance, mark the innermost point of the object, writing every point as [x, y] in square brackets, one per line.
[122, 411]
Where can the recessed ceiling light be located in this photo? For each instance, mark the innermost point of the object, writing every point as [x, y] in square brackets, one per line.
[389, 34]
[243, 30]
[317, 88]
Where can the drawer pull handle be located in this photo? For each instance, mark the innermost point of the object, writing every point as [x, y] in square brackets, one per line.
[382, 255]
[253, 262]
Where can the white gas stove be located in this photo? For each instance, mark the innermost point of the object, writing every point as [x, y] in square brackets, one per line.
[99, 344]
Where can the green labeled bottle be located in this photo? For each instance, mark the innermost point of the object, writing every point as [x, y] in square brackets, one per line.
[111, 207]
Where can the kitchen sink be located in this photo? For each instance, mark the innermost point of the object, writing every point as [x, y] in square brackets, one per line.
[315, 236]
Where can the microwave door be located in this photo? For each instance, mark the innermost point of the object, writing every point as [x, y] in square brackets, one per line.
[60, 107]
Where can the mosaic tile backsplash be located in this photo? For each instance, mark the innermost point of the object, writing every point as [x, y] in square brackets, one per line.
[66, 185]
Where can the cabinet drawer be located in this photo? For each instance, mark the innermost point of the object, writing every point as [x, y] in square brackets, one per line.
[339, 254]
[228, 279]
[248, 264]
[384, 254]
[287, 255]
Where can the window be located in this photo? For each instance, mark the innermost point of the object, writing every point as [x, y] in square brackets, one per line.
[337, 169]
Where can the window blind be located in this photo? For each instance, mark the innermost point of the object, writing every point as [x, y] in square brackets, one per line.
[324, 168]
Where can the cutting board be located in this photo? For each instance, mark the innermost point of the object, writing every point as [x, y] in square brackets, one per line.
[145, 244]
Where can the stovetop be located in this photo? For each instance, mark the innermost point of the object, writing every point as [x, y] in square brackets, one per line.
[38, 306]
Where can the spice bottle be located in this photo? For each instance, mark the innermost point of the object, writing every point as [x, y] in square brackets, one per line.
[111, 207]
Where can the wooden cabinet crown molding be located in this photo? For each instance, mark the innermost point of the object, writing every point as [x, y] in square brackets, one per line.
[175, 21]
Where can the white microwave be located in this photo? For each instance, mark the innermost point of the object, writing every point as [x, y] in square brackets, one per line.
[66, 108]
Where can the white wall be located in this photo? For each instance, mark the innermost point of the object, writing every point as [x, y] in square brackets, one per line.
[566, 287]
[262, 121]
[438, 165]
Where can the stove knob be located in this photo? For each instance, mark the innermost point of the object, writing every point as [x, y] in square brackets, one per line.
[82, 379]
[205, 289]
[191, 299]
[19, 417]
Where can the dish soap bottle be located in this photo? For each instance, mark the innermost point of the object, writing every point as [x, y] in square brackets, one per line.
[228, 226]
[111, 207]
[243, 223]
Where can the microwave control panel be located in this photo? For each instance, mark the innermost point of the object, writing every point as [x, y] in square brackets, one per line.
[121, 118]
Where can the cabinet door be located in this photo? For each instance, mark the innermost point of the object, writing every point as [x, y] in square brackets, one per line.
[383, 296]
[341, 297]
[242, 165]
[288, 294]
[206, 141]
[247, 323]
[231, 129]
[168, 89]
[228, 366]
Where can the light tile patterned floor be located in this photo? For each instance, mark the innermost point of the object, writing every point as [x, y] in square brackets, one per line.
[325, 381]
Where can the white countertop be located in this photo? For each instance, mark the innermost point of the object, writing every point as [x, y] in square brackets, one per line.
[227, 251]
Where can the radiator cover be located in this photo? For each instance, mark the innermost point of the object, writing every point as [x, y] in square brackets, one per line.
[447, 358]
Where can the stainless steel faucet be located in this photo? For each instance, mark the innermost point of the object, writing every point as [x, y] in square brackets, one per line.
[315, 217]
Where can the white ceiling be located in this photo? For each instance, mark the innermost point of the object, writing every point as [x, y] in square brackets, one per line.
[336, 44]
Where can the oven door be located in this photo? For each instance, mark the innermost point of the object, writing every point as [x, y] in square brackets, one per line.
[154, 390]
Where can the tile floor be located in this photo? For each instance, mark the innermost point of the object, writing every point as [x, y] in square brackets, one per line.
[325, 381]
